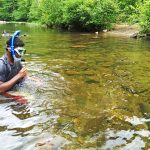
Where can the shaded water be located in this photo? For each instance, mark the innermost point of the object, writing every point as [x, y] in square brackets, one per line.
[92, 90]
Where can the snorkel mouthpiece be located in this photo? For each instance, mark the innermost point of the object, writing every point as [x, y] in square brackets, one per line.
[17, 33]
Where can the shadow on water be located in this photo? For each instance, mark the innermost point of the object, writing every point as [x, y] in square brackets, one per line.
[92, 90]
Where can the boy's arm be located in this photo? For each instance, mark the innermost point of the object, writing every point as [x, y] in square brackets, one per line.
[4, 86]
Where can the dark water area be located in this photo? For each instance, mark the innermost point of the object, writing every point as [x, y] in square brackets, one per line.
[92, 90]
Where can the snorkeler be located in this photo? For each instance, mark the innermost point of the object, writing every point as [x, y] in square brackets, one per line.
[11, 69]
[5, 34]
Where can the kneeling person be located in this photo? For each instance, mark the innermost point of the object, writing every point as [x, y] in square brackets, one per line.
[11, 69]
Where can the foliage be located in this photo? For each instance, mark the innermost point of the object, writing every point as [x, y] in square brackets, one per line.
[77, 14]
[128, 10]
[7, 8]
[145, 16]
[103, 14]
[90, 14]
[51, 12]
[34, 12]
[21, 13]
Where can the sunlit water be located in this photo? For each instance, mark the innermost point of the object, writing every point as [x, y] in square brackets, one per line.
[92, 90]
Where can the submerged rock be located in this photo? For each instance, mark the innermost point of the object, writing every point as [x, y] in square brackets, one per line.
[53, 144]
[134, 91]
[78, 46]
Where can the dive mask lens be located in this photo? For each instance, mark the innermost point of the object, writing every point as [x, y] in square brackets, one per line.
[20, 51]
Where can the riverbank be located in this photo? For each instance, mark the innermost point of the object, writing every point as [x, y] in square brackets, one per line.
[131, 31]
[2, 22]
[124, 30]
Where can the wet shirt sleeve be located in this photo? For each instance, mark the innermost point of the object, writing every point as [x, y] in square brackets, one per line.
[2, 72]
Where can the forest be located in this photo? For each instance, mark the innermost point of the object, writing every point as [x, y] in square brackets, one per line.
[82, 15]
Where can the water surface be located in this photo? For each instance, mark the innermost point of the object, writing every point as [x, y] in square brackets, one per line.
[93, 90]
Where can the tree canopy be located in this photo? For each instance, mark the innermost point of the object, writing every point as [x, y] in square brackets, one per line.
[77, 14]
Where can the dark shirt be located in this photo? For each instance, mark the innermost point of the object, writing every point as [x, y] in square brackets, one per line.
[8, 71]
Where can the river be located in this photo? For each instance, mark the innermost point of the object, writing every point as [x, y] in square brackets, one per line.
[92, 90]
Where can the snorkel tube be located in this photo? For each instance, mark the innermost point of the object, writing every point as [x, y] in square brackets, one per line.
[17, 33]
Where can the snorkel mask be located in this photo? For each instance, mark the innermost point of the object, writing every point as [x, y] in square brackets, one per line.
[19, 50]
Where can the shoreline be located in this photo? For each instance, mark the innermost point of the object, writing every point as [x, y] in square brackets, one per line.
[2, 22]
[119, 30]
[125, 30]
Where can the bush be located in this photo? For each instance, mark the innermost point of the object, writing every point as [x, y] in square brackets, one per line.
[74, 14]
[51, 12]
[104, 13]
[6, 9]
[89, 14]
[21, 13]
[145, 16]
[34, 13]
[128, 10]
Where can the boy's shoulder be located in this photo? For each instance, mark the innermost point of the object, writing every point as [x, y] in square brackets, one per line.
[2, 63]
[3, 59]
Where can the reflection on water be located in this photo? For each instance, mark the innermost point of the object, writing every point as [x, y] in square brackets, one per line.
[93, 91]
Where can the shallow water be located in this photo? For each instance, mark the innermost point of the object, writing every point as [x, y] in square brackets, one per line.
[93, 90]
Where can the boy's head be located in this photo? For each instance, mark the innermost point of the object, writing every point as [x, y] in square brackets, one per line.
[17, 42]
[18, 46]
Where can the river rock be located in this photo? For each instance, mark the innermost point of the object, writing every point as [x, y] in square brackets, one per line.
[135, 35]
[78, 46]
[53, 144]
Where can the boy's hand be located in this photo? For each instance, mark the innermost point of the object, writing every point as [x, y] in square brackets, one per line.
[22, 73]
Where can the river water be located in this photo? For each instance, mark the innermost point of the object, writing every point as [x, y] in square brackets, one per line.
[92, 90]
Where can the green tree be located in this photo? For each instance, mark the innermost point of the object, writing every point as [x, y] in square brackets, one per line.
[145, 16]
[128, 10]
[51, 12]
[89, 14]
[21, 13]
[7, 8]
[35, 11]
[77, 14]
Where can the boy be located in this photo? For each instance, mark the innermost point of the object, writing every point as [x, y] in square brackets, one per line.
[11, 70]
